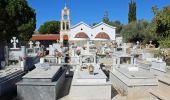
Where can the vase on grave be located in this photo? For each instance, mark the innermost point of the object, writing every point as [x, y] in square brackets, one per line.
[91, 69]
[22, 64]
[59, 60]
[41, 60]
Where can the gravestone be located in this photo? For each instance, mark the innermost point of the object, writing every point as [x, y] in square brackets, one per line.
[37, 44]
[51, 50]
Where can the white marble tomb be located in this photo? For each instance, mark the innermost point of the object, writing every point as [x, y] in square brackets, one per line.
[41, 84]
[87, 86]
[132, 81]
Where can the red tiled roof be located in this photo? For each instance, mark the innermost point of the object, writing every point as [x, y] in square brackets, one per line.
[81, 35]
[102, 35]
[46, 37]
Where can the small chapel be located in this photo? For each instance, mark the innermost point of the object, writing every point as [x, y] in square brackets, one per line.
[79, 32]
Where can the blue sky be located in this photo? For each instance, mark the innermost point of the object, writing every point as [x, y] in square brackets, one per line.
[91, 11]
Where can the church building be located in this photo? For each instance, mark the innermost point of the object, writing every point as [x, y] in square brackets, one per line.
[80, 31]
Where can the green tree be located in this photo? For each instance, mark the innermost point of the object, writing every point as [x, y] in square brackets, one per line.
[17, 19]
[132, 11]
[160, 26]
[117, 24]
[50, 27]
[105, 18]
[162, 20]
[134, 31]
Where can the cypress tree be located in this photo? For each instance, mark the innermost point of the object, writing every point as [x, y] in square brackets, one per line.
[132, 11]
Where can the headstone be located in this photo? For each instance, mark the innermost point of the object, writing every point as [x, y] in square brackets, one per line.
[51, 50]
[37, 44]
[14, 41]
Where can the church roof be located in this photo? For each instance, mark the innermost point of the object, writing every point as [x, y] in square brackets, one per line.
[46, 37]
[81, 35]
[102, 35]
[80, 23]
[102, 23]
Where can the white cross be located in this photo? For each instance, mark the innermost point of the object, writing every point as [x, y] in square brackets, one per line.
[31, 44]
[137, 43]
[37, 44]
[150, 42]
[57, 40]
[14, 41]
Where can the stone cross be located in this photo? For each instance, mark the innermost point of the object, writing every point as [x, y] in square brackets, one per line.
[150, 42]
[31, 44]
[137, 43]
[58, 40]
[51, 50]
[37, 44]
[14, 41]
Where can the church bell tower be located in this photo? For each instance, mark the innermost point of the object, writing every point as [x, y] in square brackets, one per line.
[65, 24]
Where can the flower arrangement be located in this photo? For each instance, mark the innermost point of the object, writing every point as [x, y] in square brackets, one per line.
[41, 54]
[22, 58]
[78, 51]
[84, 47]
[163, 53]
[58, 54]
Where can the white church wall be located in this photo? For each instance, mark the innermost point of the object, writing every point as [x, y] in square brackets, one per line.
[92, 31]
[86, 29]
[103, 28]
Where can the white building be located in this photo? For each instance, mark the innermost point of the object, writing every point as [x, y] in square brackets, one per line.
[82, 31]
[101, 31]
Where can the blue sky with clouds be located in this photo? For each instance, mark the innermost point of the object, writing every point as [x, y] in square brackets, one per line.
[91, 11]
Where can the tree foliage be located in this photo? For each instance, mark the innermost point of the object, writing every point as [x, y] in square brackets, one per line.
[116, 23]
[17, 19]
[50, 27]
[134, 31]
[162, 21]
[160, 26]
[105, 18]
[132, 11]
[165, 43]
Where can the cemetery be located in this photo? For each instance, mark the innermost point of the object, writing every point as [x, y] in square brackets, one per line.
[84, 62]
